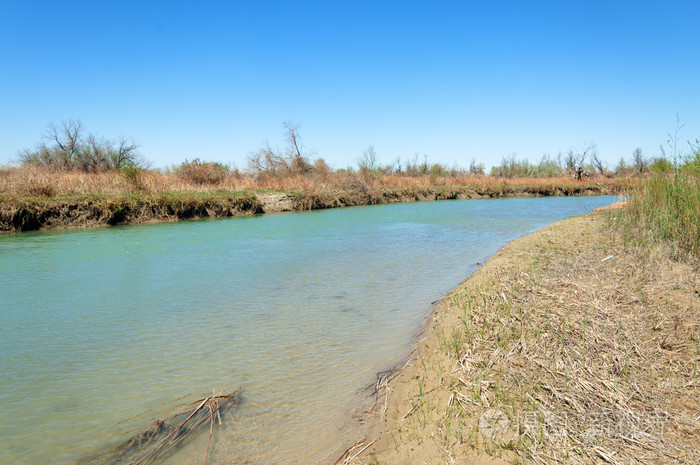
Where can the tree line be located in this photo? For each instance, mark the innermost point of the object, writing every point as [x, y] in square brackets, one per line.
[68, 146]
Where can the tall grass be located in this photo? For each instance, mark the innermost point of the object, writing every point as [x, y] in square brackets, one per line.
[666, 207]
[32, 181]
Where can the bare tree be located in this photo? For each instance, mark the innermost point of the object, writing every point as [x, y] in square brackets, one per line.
[291, 131]
[397, 165]
[123, 154]
[639, 161]
[475, 168]
[66, 148]
[267, 161]
[255, 162]
[368, 160]
[94, 154]
[412, 166]
[568, 160]
[67, 139]
[274, 162]
[575, 159]
[297, 162]
[597, 162]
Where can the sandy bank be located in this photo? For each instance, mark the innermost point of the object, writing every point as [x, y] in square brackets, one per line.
[567, 346]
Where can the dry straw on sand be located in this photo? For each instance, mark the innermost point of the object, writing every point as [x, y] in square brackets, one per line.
[567, 347]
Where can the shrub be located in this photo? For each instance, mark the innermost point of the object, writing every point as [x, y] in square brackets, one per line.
[132, 174]
[202, 172]
[661, 165]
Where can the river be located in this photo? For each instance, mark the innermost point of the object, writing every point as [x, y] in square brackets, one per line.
[103, 329]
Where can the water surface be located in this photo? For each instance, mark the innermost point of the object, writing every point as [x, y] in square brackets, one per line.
[298, 310]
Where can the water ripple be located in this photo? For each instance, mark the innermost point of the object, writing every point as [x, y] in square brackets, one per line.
[298, 310]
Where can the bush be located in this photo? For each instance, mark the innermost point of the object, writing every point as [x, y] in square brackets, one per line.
[133, 175]
[202, 172]
[661, 165]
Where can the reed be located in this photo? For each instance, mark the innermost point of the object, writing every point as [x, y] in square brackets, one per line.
[169, 432]
[666, 207]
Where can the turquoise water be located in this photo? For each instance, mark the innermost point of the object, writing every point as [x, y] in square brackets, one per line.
[300, 311]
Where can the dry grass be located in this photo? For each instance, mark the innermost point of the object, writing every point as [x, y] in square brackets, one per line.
[37, 198]
[39, 182]
[552, 354]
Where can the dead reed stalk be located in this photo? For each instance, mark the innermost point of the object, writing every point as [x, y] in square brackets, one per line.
[569, 346]
[168, 432]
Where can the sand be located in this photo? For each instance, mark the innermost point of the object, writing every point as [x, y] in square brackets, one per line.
[567, 346]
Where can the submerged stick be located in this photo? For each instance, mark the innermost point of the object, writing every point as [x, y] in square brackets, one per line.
[166, 433]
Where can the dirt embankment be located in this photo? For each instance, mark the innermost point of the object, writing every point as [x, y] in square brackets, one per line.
[22, 215]
[567, 346]
[32, 213]
[365, 194]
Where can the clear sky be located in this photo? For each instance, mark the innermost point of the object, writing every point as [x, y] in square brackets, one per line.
[453, 80]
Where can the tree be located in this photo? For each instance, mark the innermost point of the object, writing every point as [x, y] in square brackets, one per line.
[476, 169]
[598, 163]
[123, 154]
[621, 166]
[68, 142]
[297, 162]
[547, 167]
[292, 160]
[661, 165]
[638, 160]
[574, 160]
[66, 148]
[94, 154]
[397, 165]
[368, 160]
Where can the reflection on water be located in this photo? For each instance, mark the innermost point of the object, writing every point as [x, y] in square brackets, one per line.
[297, 310]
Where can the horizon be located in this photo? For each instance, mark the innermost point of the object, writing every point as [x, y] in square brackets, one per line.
[452, 81]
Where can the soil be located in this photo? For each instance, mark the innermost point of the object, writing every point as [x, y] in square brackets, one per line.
[27, 215]
[276, 203]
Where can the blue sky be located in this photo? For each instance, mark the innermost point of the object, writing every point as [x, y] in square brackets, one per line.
[453, 80]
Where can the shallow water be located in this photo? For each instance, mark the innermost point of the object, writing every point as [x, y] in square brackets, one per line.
[300, 311]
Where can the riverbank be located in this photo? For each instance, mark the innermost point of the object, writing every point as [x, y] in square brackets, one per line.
[33, 206]
[567, 346]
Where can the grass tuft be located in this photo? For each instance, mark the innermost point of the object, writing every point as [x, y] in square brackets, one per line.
[666, 208]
